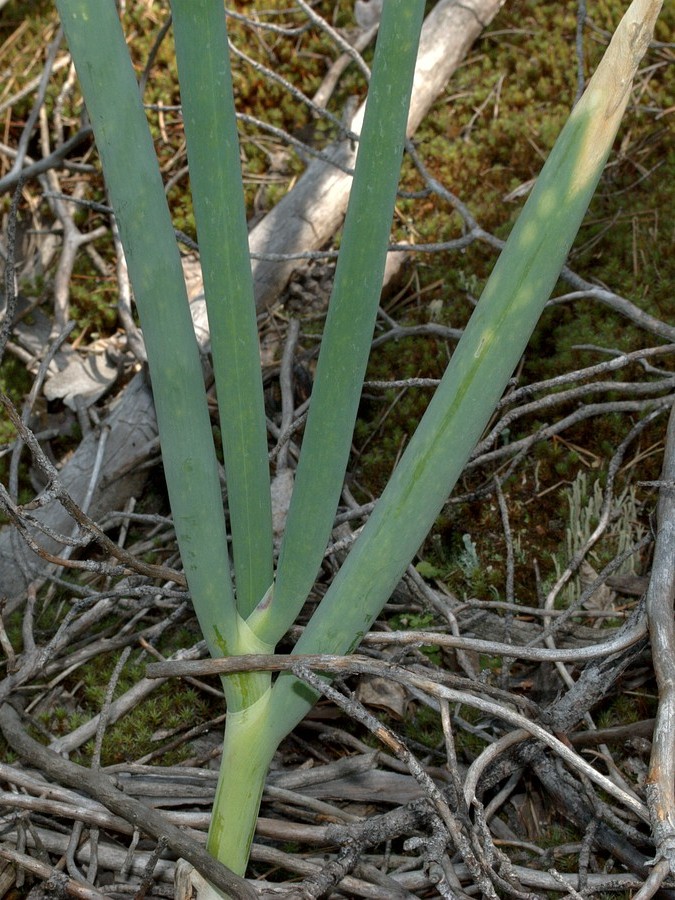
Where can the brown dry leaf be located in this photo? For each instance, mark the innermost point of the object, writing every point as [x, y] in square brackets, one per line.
[601, 598]
[380, 693]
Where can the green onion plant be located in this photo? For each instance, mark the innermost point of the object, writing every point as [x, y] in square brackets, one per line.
[245, 605]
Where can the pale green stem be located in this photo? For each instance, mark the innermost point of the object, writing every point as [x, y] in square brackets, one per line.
[248, 750]
[220, 214]
[136, 194]
[351, 318]
[249, 743]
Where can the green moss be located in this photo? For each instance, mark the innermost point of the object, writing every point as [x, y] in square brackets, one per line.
[173, 705]
[468, 745]
[16, 383]
[170, 707]
[424, 727]
[623, 709]
[413, 621]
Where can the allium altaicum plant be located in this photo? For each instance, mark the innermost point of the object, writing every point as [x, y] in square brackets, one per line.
[243, 604]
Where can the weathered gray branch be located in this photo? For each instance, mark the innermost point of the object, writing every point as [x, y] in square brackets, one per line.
[659, 601]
